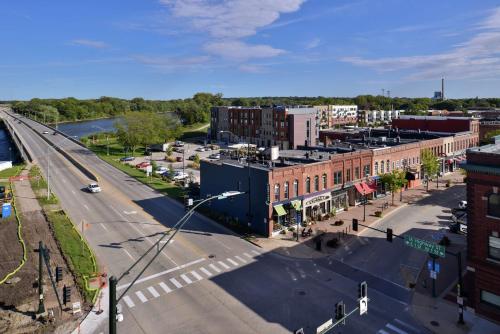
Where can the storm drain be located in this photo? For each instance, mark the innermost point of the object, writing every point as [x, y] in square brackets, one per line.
[435, 323]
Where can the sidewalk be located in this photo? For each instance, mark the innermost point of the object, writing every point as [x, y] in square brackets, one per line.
[97, 317]
[286, 244]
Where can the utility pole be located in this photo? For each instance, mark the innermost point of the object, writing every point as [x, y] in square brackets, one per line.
[41, 306]
[112, 305]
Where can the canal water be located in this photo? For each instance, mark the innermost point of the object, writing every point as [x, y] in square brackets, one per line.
[8, 150]
[85, 128]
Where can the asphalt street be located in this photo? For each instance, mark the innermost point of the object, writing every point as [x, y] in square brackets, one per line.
[208, 280]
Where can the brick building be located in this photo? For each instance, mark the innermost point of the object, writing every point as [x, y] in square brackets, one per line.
[436, 124]
[486, 126]
[483, 230]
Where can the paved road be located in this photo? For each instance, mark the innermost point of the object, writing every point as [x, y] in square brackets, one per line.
[207, 280]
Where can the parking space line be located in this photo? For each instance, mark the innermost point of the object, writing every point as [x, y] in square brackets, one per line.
[224, 265]
[165, 287]
[176, 283]
[141, 296]
[128, 301]
[196, 275]
[206, 272]
[153, 292]
[247, 255]
[186, 279]
[234, 263]
[214, 268]
[255, 252]
[240, 259]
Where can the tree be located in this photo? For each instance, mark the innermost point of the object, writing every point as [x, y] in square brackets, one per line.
[401, 181]
[196, 161]
[430, 164]
[488, 138]
[394, 181]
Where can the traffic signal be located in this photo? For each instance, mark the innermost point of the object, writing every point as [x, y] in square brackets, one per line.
[59, 274]
[389, 235]
[362, 290]
[66, 294]
[339, 310]
[354, 224]
[188, 203]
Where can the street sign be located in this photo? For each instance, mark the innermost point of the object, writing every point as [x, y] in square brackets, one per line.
[326, 325]
[425, 246]
[363, 305]
[437, 268]
[460, 301]
[433, 274]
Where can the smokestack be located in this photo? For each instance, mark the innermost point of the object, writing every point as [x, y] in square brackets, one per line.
[442, 89]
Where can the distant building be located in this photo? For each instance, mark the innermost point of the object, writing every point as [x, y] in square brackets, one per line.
[483, 230]
[378, 116]
[332, 115]
[436, 124]
[437, 96]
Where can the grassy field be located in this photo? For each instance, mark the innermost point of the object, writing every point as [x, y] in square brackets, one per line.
[15, 170]
[116, 152]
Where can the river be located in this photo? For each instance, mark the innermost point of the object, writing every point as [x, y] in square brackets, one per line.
[85, 128]
[8, 151]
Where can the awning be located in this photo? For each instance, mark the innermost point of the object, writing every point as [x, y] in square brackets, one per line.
[450, 161]
[367, 188]
[297, 205]
[280, 211]
[410, 176]
[359, 188]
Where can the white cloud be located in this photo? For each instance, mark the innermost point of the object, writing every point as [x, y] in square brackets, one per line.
[251, 68]
[170, 63]
[314, 43]
[477, 57]
[237, 50]
[90, 43]
[226, 22]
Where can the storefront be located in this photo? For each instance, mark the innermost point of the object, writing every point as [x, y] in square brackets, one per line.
[363, 192]
[339, 200]
[316, 206]
[287, 214]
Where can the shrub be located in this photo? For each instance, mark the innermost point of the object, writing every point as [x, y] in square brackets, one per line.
[282, 232]
[339, 223]
[291, 229]
[378, 214]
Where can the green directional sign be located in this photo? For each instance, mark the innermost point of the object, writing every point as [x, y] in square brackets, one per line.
[425, 246]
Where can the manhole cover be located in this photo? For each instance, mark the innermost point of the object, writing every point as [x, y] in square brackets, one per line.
[302, 293]
[328, 279]
[211, 256]
[435, 323]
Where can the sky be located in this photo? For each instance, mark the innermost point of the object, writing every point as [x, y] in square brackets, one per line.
[167, 49]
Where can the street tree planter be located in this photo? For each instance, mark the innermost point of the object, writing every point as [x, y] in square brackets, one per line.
[378, 214]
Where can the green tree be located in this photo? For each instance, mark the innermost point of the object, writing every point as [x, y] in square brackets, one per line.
[196, 161]
[430, 164]
[394, 181]
[488, 138]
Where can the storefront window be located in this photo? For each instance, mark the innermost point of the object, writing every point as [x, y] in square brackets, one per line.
[316, 183]
[308, 185]
[490, 298]
[494, 247]
[494, 205]
[366, 170]
[295, 188]
[277, 192]
[286, 189]
[325, 185]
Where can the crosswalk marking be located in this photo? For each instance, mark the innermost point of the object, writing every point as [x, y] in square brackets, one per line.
[382, 332]
[141, 296]
[224, 265]
[128, 301]
[206, 272]
[176, 283]
[234, 263]
[404, 324]
[240, 259]
[186, 279]
[247, 255]
[396, 329]
[255, 252]
[153, 292]
[214, 268]
[196, 275]
[165, 287]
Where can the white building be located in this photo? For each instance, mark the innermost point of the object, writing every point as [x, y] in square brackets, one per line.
[331, 115]
[378, 116]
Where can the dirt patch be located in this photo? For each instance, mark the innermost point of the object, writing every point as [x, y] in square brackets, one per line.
[10, 248]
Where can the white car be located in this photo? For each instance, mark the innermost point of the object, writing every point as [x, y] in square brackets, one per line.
[462, 205]
[180, 176]
[200, 149]
[94, 188]
[161, 170]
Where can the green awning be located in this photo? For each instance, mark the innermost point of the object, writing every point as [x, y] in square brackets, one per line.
[297, 205]
[280, 210]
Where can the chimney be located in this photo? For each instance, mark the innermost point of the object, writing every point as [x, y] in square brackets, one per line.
[442, 89]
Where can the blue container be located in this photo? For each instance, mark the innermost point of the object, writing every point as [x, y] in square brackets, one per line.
[6, 210]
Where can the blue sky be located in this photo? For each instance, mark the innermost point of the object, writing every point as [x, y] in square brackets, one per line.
[164, 49]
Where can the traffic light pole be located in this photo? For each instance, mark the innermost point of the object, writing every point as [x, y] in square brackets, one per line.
[41, 306]
[112, 305]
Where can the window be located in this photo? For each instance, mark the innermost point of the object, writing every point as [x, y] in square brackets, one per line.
[356, 173]
[325, 185]
[286, 189]
[295, 188]
[337, 177]
[382, 169]
[388, 165]
[376, 167]
[277, 192]
[366, 170]
[494, 247]
[268, 195]
[316, 183]
[490, 298]
[308, 185]
[494, 205]
[348, 175]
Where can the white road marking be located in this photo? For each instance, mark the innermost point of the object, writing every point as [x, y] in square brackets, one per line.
[396, 329]
[241, 259]
[141, 296]
[404, 324]
[128, 301]
[247, 255]
[64, 181]
[176, 283]
[86, 207]
[206, 272]
[186, 279]
[234, 263]
[224, 265]
[196, 275]
[153, 292]
[121, 287]
[130, 212]
[255, 252]
[165, 287]
[104, 227]
[214, 268]
[126, 251]
[382, 332]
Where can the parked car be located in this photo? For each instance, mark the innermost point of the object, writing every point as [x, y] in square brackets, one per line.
[124, 159]
[178, 143]
[192, 157]
[178, 159]
[143, 164]
[462, 204]
[178, 150]
[161, 170]
[200, 149]
[180, 175]
[94, 188]
[214, 156]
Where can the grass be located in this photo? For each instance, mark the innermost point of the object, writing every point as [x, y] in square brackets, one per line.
[116, 152]
[14, 171]
[74, 248]
[39, 186]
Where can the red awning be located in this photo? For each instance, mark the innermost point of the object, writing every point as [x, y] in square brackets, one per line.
[359, 188]
[367, 188]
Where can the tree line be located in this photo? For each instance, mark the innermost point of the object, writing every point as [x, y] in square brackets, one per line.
[197, 109]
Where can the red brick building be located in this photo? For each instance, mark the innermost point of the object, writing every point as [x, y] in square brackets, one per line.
[483, 230]
[436, 124]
